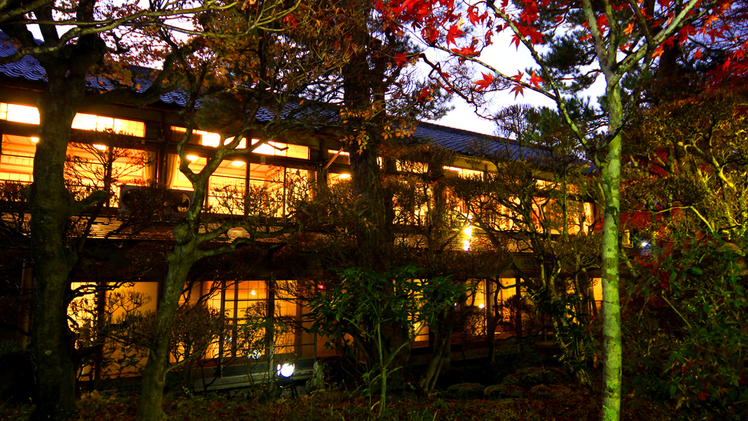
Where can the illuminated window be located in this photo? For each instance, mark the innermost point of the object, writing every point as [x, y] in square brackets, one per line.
[30, 115]
[125, 301]
[101, 123]
[244, 300]
[464, 172]
[227, 188]
[273, 148]
[341, 153]
[335, 178]
[19, 113]
[175, 178]
[272, 189]
[209, 139]
[17, 159]
[87, 168]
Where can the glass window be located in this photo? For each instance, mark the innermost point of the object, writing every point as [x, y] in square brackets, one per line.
[93, 166]
[17, 159]
[273, 148]
[227, 188]
[245, 304]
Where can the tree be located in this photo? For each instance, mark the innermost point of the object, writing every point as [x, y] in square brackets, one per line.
[534, 204]
[363, 304]
[622, 40]
[92, 32]
[684, 207]
[242, 76]
[430, 226]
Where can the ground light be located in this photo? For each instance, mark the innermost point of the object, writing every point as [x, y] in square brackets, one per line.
[285, 381]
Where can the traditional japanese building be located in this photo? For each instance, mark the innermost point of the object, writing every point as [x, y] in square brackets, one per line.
[128, 150]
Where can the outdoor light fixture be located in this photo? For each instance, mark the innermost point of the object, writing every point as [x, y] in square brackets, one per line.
[644, 244]
[466, 245]
[481, 306]
[468, 230]
[286, 369]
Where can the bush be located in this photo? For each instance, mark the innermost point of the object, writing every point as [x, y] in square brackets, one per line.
[684, 321]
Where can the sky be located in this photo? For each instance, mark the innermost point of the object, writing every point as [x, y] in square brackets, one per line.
[508, 59]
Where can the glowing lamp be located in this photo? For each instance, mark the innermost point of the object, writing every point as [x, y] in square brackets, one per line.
[286, 369]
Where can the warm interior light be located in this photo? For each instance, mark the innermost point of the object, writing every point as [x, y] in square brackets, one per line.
[466, 245]
[237, 163]
[344, 176]
[192, 158]
[99, 147]
[252, 292]
[22, 114]
[34, 140]
[468, 231]
[481, 306]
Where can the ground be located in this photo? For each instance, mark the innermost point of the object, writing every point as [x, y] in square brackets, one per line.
[558, 400]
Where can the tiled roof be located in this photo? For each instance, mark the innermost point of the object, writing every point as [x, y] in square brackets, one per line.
[476, 144]
[30, 69]
[460, 141]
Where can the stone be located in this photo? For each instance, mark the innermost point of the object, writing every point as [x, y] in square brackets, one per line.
[465, 391]
[502, 391]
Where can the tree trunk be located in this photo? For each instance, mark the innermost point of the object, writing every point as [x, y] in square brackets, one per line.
[611, 181]
[442, 329]
[154, 375]
[50, 206]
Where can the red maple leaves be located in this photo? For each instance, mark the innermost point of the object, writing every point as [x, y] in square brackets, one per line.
[484, 83]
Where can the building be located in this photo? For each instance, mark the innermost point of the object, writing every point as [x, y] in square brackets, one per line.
[131, 150]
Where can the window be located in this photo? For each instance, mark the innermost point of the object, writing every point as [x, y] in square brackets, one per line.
[19, 113]
[99, 123]
[30, 115]
[273, 148]
[92, 166]
[227, 188]
[209, 139]
[245, 305]
[272, 189]
[17, 159]
[464, 172]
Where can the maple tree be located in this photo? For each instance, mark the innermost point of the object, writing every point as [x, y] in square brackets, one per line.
[572, 45]
[684, 206]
